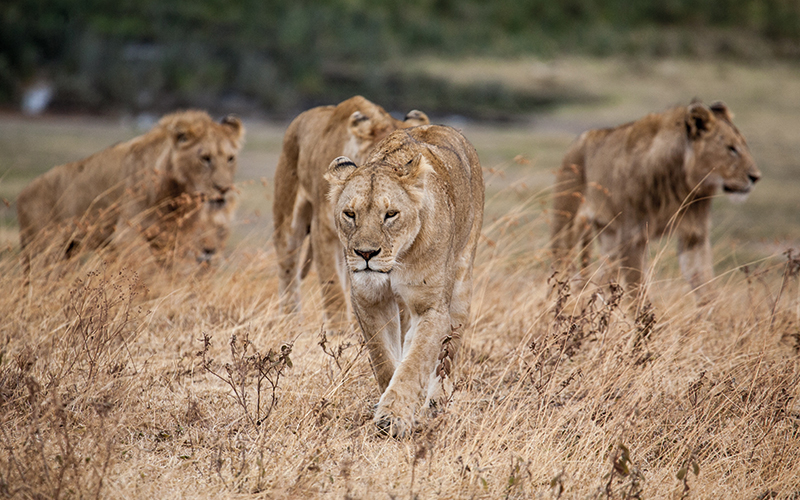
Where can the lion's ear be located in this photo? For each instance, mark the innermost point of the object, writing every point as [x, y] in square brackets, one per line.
[719, 108]
[235, 125]
[414, 175]
[339, 170]
[415, 171]
[416, 117]
[360, 125]
[699, 119]
[182, 134]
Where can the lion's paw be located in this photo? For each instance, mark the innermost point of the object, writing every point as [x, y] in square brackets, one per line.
[394, 426]
[393, 416]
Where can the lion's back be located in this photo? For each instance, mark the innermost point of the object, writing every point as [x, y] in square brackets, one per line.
[316, 137]
[650, 168]
[67, 191]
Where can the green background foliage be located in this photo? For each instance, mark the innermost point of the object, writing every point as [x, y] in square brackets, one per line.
[279, 56]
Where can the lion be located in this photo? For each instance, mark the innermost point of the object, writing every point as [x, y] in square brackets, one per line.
[122, 195]
[409, 219]
[301, 207]
[212, 230]
[643, 179]
[199, 237]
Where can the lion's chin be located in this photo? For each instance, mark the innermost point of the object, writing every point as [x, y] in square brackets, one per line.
[369, 281]
[738, 196]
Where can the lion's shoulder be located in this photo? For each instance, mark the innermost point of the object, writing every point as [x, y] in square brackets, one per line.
[631, 136]
[445, 149]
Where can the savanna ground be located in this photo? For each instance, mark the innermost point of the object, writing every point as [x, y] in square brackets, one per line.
[119, 384]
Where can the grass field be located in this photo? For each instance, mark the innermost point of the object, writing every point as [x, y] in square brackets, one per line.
[108, 389]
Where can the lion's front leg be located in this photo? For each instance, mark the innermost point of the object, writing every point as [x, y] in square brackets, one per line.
[694, 249]
[396, 408]
[696, 262]
[440, 384]
[288, 240]
[378, 315]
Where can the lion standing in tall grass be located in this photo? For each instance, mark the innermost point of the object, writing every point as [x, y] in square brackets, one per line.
[643, 179]
[125, 193]
[301, 207]
[409, 220]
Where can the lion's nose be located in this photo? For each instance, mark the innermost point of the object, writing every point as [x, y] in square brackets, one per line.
[206, 255]
[367, 254]
[754, 177]
[222, 189]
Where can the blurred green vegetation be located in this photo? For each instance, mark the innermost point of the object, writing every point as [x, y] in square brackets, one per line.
[280, 56]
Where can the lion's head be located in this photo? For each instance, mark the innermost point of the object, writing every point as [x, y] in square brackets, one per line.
[204, 153]
[718, 151]
[212, 229]
[377, 210]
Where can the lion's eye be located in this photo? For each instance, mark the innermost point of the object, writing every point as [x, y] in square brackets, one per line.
[391, 214]
[206, 159]
[349, 214]
[732, 150]
[231, 158]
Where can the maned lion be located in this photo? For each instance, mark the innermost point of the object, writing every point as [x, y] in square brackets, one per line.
[300, 206]
[409, 219]
[124, 193]
[640, 180]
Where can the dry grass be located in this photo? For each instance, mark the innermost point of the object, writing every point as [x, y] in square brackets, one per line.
[120, 385]
[200, 388]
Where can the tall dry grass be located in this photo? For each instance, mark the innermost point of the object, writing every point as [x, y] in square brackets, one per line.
[121, 384]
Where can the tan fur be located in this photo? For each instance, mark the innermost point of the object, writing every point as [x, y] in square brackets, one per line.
[202, 240]
[126, 193]
[646, 178]
[409, 220]
[301, 207]
[213, 230]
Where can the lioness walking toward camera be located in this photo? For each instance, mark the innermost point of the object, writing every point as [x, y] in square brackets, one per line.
[647, 178]
[301, 208]
[129, 192]
[409, 219]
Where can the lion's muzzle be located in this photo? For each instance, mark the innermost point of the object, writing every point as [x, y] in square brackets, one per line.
[367, 262]
[206, 255]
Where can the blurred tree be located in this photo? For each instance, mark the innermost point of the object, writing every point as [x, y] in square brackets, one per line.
[280, 55]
